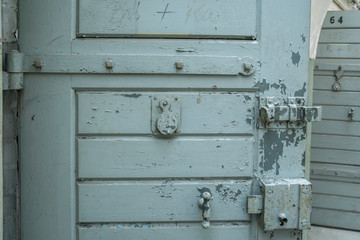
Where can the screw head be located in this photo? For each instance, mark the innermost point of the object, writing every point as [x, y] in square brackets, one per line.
[179, 65]
[109, 64]
[248, 66]
[165, 103]
[38, 63]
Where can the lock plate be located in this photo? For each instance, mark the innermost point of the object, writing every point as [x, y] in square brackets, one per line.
[165, 116]
[287, 203]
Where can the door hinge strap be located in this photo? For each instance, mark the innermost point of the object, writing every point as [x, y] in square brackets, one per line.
[13, 78]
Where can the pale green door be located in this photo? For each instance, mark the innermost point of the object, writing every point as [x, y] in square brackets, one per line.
[133, 111]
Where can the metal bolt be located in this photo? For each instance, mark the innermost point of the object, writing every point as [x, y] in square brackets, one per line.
[109, 64]
[165, 103]
[179, 65]
[247, 66]
[38, 63]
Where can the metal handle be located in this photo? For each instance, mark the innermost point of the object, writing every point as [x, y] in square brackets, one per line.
[204, 205]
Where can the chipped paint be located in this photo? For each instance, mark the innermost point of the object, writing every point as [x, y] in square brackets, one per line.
[134, 95]
[296, 58]
[263, 86]
[301, 92]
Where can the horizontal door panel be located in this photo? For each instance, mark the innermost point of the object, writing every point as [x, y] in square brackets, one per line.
[347, 83]
[348, 128]
[335, 142]
[167, 201]
[131, 113]
[336, 188]
[335, 156]
[156, 18]
[336, 202]
[336, 98]
[164, 232]
[334, 218]
[146, 157]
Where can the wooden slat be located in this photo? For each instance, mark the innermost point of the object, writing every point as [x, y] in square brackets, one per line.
[334, 178]
[130, 112]
[155, 18]
[155, 201]
[339, 36]
[164, 232]
[347, 83]
[335, 142]
[336, 202]
[336, 188]
[335, 170]
[335, 156]
[333, 64]
[349, 19]
[340, 113]
[348, 128]
[338, 51]
[337, 219]
[146, 157]
[336, 98]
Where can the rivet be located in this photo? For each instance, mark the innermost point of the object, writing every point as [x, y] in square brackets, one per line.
[165, 103]
[109, 64]
[38, 63]
[179, 65]
[247, 66]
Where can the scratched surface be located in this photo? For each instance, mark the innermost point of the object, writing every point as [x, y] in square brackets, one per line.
[189, 18]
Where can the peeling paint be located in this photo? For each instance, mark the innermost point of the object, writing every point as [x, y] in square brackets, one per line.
[301, 92]
[296, 58]
[134, 95]
[263, 86]
[303, 38]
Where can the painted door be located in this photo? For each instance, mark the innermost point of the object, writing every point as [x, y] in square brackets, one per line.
[133, 112]
[335, 153]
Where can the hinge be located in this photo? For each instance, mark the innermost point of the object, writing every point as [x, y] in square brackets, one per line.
[13, 78]
[286, 112]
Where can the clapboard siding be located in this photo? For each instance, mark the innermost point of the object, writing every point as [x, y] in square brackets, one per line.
[321, 155]
[347, 83]
[337, 98]
[336, 202]
[335, 218]
[347, 128]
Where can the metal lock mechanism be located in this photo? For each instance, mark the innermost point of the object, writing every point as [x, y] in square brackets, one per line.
[165, 116]
[287, 112]
[283, 203]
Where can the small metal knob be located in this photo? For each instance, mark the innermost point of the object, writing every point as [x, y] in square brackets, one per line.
[204, 205]
[283, 219]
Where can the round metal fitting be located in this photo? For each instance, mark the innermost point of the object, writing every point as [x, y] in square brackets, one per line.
[179, 65]
[109, 64]
[38, 63]
[336, 86]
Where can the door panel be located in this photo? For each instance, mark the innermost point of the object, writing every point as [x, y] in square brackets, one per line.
[178, 19]
[167, 201]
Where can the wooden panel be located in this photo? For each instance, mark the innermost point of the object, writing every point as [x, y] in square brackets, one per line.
[341, 19]
[347, 83]
[336, 98]
[348, 128]
[164, 232]
[333, 64]
[335, 142]
[339, 36]
[340, 113]
[156, 18]
[130, 113]
[333, 218]
[336, 170]
[336, 188]
[336, 178]
[336, 202]
[160, 158]
[153, 201]
[335, 156]
[338, 51]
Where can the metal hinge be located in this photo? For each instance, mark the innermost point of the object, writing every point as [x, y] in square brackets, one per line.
[286, 112]
[13, 78]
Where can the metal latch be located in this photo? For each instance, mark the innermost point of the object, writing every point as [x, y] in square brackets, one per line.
[14, 76]
[284, 203]
[286, 112]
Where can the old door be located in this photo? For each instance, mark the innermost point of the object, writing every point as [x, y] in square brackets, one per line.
[335, 158]
[141, 119]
